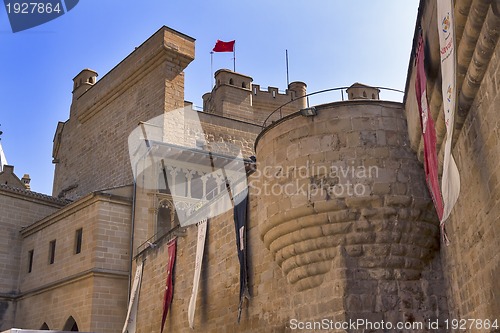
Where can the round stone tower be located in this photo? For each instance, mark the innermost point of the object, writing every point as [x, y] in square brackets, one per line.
[341, 190]
[300, 90]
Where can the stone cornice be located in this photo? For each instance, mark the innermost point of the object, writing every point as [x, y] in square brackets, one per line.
[91, 273]
[72, 208]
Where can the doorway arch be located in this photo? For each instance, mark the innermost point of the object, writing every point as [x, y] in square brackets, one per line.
[70, 325]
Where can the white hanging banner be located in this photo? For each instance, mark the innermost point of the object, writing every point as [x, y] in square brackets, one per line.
[3, 160]
[450, 182]
[131, 321]
[200, 246]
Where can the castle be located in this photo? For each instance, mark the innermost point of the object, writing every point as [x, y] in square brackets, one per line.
[340, 228]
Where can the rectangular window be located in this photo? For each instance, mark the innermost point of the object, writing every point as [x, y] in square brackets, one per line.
[52, 251]
[30, 260]
[78, 241]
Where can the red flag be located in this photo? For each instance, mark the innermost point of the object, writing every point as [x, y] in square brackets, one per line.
[169, 288]
[221, 46]
[428, 131]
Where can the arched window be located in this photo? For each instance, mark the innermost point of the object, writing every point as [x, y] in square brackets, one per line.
[364, 93]
[231, 82]
[243, 85]
[373, 96]
[91, 80]
[70, 325]
[45, 327]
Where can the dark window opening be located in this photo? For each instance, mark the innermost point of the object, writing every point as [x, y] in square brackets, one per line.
[373, 96]
[243, 85]
[52, 251]
[78, 240]
[30, 260]
[44, 327]
[167, 218]
[231, 81]
[364, 93]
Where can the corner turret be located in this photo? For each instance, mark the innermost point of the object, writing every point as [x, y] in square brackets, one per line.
[83, 82]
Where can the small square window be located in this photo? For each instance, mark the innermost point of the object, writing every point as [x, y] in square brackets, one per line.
[30, 260]
[78, 240]
[52, 251]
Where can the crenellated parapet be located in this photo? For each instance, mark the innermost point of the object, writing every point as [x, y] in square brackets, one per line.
[234, 96]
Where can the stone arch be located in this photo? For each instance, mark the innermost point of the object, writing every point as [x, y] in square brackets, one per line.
[44, 327]
[70, 325]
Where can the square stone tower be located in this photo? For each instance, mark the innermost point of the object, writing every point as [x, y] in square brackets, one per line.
[147, 83]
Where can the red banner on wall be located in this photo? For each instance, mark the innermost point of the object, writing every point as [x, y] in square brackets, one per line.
[428, 131]
[169, 288]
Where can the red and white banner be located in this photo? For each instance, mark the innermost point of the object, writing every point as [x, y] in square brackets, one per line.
[131, 320]
[169, 286]
[428, 130]
[450, 182]
[200, 246]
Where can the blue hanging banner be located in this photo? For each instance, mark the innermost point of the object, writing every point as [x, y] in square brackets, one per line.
[240, 223]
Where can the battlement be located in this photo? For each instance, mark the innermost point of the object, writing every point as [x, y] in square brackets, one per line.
[234, 96]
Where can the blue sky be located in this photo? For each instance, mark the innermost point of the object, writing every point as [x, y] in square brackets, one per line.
[331, 43]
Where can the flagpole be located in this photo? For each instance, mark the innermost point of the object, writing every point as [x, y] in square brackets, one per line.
[212, 69]
[287, 77]
[234, 57]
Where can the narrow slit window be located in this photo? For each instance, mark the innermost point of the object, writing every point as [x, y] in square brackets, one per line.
[52, 251]
[30, 260]
[78, 240]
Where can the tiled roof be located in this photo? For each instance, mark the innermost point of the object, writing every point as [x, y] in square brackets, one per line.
[35, 195]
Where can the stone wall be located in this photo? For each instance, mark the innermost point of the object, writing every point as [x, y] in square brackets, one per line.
[218, 297]
[19, 208]
[471, 261]
[91, 285]
[225, 130]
